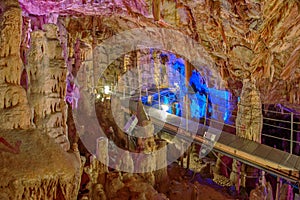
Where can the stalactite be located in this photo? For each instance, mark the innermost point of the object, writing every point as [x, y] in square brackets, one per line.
[156, 4]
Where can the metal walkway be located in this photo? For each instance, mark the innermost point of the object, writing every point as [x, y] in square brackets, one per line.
[258, 155]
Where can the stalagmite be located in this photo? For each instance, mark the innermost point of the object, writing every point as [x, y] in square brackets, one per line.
[249, 116]
[38, 167]
[249, 124]
[47, 82]
[14, 108]
[161, 175]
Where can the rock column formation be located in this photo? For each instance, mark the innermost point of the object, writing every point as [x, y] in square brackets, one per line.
[47, 84]
[249, 120]
[33, 166]
[14, 109]
[249, 124]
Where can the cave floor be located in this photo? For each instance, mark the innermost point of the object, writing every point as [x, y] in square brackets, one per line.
[33, 165]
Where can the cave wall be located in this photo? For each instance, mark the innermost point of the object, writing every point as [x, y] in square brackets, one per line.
[32, 90]
[244, 39]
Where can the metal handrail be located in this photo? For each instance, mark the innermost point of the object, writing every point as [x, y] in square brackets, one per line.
[291, 129]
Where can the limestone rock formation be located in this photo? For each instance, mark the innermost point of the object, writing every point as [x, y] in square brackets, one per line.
[249, 124]
[14, 107]
[40, 40]
[40, 169]
[47, 84]
[249, 119]
[33, 165]
[124, 187]
[261, 192]
[244, 38]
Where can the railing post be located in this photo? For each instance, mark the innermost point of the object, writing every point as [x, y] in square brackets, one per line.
[278, 187]
[206, 107]
[158, 98]
[292, 133]
[186, 113]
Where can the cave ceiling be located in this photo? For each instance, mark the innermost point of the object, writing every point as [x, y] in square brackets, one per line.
[256, 39]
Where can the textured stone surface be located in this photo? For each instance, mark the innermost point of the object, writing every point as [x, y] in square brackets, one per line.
[249, 119]
[181, 188]
[14, 108]
[249, 123]
[41, 170]
[238, 40]
[33, 165]
[47, 84]
[244, 38]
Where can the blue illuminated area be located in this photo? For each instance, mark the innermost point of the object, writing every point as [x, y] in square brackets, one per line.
[177, 75]
[221, 98]
[204, 98]
[204, 101]
[168, 100]
[199, 98]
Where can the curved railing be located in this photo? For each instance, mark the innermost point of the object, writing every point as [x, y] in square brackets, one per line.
[285, 128]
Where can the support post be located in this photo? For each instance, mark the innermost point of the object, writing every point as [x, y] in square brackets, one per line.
[139, 74]
[292, 133]
[188, 158]
[186, 113]
[158, 91]
[205, 115]
[238, 185]
[278, 187]
[188, 74]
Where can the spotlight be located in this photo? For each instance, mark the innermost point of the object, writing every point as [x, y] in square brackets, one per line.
[165, 107]
[106, 89]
